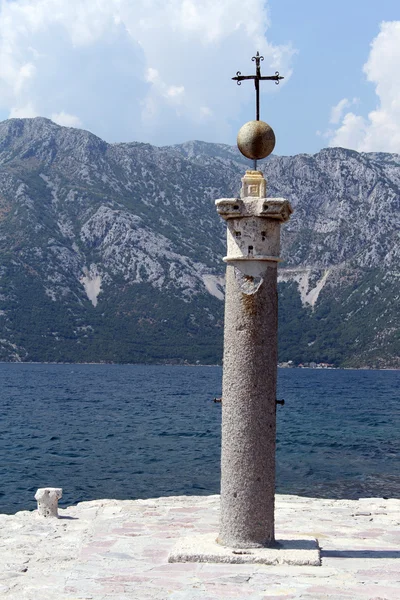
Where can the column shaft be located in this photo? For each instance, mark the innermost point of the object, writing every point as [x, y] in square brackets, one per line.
[249, 412]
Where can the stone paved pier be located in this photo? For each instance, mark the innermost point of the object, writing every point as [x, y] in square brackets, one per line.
[118, 550]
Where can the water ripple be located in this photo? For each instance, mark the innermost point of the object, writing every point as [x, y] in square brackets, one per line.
[130, 431]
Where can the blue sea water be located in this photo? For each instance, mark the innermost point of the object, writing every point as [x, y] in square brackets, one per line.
[133, 431]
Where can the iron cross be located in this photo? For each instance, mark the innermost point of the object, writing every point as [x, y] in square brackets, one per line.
[257, 78]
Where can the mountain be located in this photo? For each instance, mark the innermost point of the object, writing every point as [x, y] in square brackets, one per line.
[112, 252]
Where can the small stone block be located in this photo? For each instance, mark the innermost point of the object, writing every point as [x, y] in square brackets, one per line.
[288, 551]
[47, 499]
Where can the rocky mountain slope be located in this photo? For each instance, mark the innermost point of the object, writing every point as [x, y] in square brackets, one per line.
[112, 252]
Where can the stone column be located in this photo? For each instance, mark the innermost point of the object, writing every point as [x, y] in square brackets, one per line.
[246, 533]
[250, 364]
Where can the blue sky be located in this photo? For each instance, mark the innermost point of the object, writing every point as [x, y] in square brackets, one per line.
[332, 39]
[160, 71]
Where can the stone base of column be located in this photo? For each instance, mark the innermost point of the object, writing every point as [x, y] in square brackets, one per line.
[287, 551]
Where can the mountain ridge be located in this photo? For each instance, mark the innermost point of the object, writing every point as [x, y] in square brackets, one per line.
[120, 247]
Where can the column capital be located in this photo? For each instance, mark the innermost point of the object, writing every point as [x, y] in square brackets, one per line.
[250, 206]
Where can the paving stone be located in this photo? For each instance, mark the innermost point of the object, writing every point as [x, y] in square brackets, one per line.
[118, 550]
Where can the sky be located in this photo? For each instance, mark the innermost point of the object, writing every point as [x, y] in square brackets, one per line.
[159, 71]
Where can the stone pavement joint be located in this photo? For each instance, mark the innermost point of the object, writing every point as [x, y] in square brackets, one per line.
[118, 550]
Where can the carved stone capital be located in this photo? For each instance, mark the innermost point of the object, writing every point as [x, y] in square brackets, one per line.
[229, 208]
[253, 225]
[276, 208]
[254, 185]
[270, 208]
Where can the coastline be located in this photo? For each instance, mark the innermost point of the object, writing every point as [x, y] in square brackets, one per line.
[186, 364]
[109, 549]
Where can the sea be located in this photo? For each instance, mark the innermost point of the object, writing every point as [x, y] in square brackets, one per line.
[134, 431]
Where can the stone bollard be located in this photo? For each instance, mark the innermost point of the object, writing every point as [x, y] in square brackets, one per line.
[47, 499]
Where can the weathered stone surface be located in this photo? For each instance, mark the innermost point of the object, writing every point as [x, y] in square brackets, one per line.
[118, 550]
[254, 185]
[47, 499]
[286, 551]
[256, 140]
[253, 225]
[250, 365]
[248, 412]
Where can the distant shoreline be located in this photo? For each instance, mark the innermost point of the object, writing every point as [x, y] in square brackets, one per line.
[173, 364]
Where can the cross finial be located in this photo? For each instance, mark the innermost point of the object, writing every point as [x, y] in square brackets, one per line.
[257, 78]
[257, 58]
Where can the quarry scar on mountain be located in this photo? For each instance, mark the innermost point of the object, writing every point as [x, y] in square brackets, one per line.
[302, 277]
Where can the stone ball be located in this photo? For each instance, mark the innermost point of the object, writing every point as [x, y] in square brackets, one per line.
[256, 140]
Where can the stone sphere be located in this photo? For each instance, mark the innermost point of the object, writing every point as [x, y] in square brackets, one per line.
[256, 140]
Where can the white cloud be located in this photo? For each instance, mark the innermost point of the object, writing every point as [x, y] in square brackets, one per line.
[152, 75]
[338, 110]
[23, 112]
[63, 118]
[351, 133]
[205, 111]
[124, 68]
[25, 73]
[175, 92]
[380, 130]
